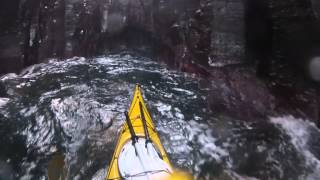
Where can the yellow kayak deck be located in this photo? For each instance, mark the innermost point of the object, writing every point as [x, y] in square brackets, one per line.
[125, 136]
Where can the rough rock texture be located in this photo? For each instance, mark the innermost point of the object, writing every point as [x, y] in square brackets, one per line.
[188, 34]
[10, 51]
[190, 31]
[228, 32]
[198, 36]
[237, 92]
[43, 30]
[295, 30]
[259, 34]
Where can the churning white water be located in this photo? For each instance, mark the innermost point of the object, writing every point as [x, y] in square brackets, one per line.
[299, 131]
[76, 107]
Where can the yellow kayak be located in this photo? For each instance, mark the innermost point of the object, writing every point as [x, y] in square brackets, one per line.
[139, 153]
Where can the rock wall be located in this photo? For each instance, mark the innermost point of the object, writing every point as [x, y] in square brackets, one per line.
[228, 32]
[10, 52]
[192, 35]
[43, 23]
[296, 29]
[279, 38]
[176, 31]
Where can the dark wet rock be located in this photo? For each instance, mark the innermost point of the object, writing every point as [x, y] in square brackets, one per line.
[196, 69]
[43, 30]
[8, 15]
[295, 39]
[207, 33]
[228, 31]
[299, 101]
[259, 35]
[277, 39]
[181, 30]
[237, 91]
[241, 94]
[10, 53]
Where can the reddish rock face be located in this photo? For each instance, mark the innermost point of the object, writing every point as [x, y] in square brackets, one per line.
[193, 36]
[208, 38]
[195, 69]
[207, 32]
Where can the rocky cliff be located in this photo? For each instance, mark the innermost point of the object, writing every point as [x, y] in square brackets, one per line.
[278, 39]
[180, 32]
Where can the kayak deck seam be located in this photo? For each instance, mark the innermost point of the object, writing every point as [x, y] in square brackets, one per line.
[124, 137]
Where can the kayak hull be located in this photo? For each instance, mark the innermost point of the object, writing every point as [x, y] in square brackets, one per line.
[137, 124]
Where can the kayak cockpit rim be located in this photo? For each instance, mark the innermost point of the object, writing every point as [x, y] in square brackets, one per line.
[142, 128]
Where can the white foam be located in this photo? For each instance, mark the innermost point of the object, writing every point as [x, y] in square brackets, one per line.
[3, 101]
[105, 61]
[21, 85]
[202, 134]
[163, 108]
[190, 93]
[29, 167]
[28, 111]
[8, 76]
[100, 175]
[299, 132]
[178, 113]
[29, 71]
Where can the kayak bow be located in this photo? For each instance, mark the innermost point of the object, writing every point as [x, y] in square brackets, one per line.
[139, 153]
